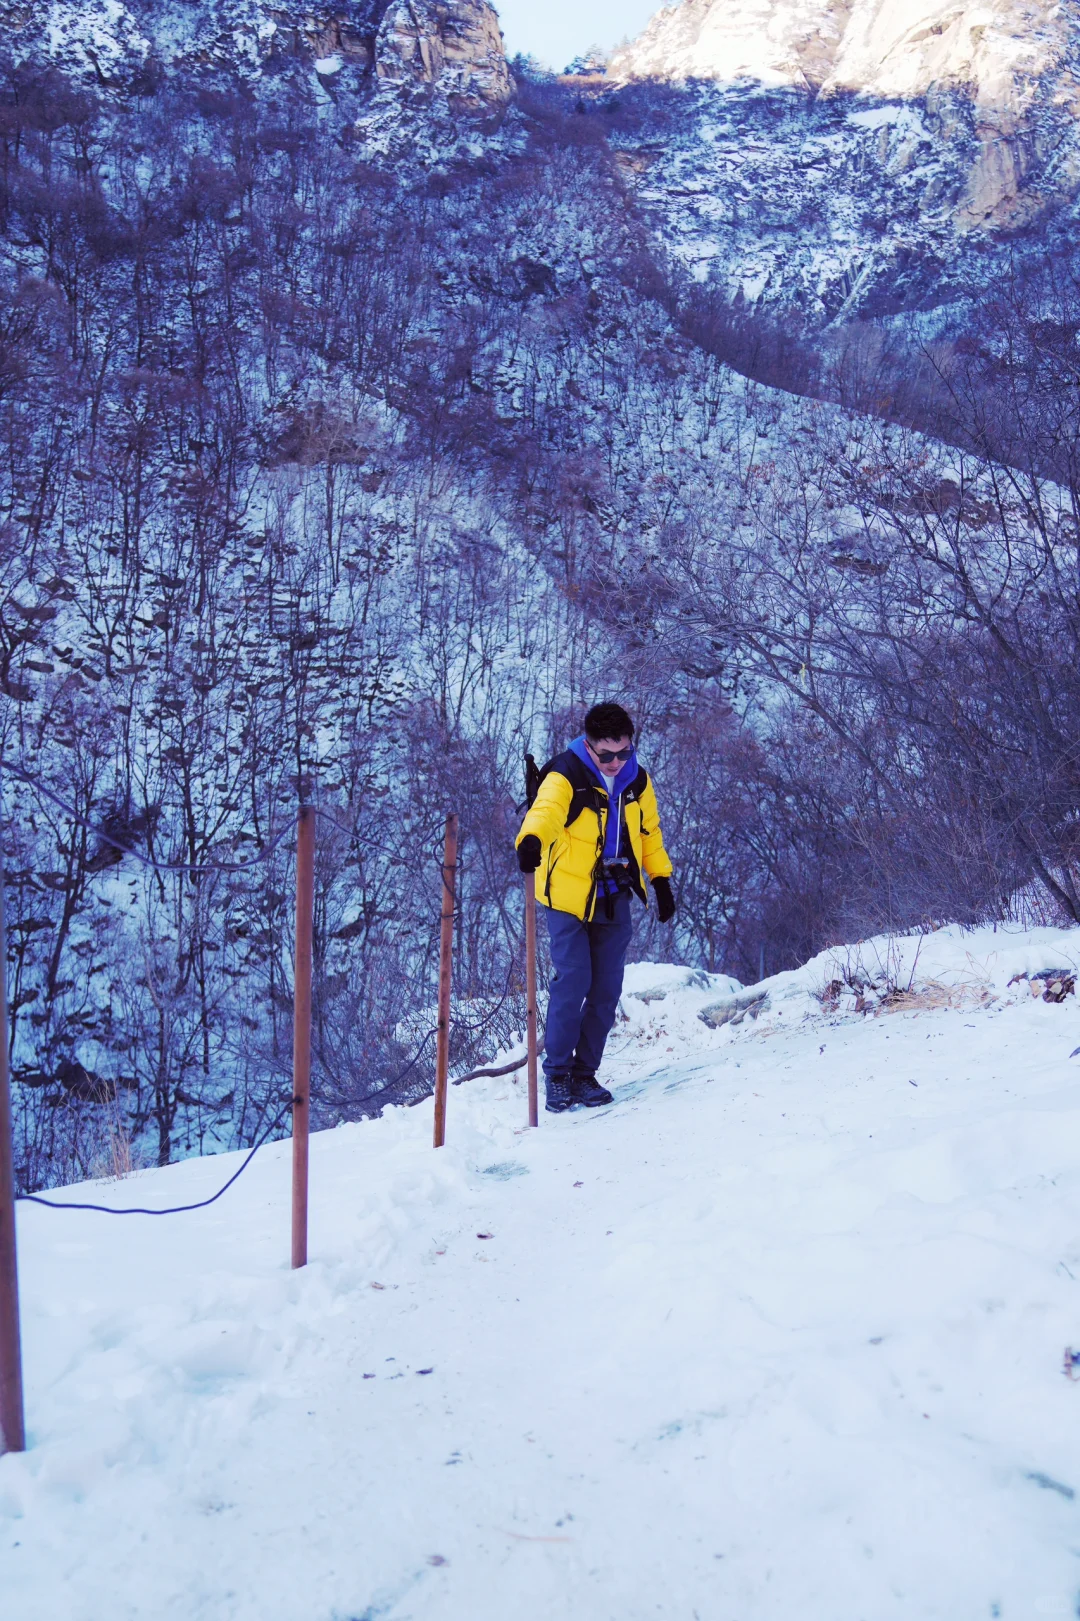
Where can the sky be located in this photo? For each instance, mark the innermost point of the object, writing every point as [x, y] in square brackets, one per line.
[555, 31]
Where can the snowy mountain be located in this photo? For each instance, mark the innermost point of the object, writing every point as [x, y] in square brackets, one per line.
[997, 53]
[368, 412]
[839, 160]
[779, 1333]
[872, 148]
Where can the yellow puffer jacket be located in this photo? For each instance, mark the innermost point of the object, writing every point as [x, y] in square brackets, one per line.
[566, 877]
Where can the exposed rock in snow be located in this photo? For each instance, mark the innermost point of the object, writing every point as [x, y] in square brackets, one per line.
[453, 45]
[829, 209]
[113, 43]
[102, 39]
[735, 39]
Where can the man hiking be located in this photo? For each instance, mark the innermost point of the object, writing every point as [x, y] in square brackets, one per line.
[590, 835]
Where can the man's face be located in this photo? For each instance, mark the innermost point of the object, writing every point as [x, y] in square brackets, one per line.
[610, 747]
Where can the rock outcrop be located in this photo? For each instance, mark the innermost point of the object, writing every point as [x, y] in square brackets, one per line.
[840, 160]
[727, 40]
[453, 46]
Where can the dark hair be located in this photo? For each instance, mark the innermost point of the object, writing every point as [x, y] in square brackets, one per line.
[608, 720]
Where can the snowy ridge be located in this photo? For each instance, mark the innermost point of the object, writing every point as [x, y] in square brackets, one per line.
[781, 1330]
[995, 49]
[950, 967]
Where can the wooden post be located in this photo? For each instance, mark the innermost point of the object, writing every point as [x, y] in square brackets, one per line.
[530, 992]
[305, 925]
[446, 949]
[12, 1424]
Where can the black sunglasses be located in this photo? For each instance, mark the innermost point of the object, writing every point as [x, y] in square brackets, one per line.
[605, 756]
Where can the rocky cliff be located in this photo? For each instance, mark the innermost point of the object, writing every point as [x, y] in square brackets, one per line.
[455, 45]
[451, 45]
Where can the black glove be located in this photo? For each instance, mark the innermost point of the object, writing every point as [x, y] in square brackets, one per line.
[528, 853]
[665, 900]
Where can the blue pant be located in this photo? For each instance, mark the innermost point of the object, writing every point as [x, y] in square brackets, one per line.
[588, 959]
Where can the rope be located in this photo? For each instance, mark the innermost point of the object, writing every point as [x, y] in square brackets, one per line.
[457, 1025]
[243, 866]
[189, 867]
[490, 1017]
[368, 842]
[201, 1204]
[400, 1076]
[170, 1210]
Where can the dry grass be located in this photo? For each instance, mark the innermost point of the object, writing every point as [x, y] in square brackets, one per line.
[889, 986]
[932, 995]
[115, 1158]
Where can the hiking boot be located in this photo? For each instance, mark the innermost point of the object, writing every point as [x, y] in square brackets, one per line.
[559, 1093]
[586, 1090]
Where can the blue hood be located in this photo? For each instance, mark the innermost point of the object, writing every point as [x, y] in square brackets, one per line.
[614, 786]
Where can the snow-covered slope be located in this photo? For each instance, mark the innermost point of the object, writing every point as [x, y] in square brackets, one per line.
[779, 1333]
[856, 148]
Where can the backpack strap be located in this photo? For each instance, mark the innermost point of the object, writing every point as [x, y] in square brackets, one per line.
[584, 791]
[635, 791]
[638, 786]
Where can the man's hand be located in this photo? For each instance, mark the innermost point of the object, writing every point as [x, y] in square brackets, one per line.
[528, 853]
[665, 900]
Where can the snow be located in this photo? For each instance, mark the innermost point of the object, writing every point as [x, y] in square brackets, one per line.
[779, 1333]
[875, 117]
[960, 966]
[883, 47]
[98, 35]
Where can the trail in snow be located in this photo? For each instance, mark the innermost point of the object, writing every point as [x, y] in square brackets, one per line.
[779, 1333]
